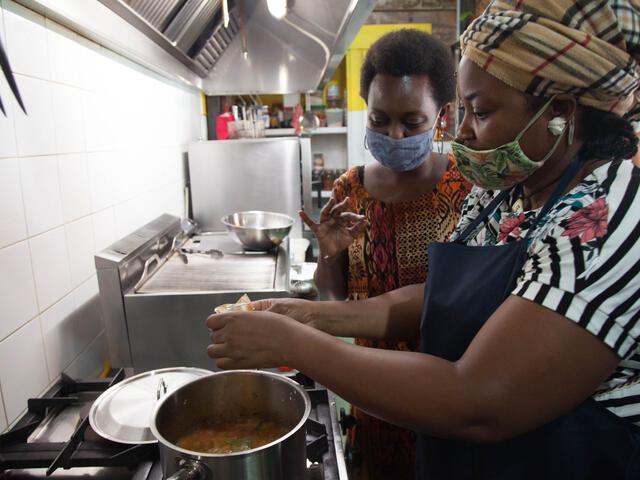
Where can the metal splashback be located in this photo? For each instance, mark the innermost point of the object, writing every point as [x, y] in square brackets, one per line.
[186, 40]
[227, 176]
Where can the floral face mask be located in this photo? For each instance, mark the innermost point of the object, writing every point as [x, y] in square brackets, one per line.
[502, 167]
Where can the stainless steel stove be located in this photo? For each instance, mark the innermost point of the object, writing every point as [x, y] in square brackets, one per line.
[158, 285]
[54, 438]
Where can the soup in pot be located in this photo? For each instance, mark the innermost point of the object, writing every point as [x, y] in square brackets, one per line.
[231, 436]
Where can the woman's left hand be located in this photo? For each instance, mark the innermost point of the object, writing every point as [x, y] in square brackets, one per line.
[250, 339]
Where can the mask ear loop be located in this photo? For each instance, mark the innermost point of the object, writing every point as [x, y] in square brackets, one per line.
[535, 117]
[557, 142]
[570, 134]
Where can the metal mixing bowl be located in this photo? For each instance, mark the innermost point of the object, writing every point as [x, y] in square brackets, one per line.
[258, 230]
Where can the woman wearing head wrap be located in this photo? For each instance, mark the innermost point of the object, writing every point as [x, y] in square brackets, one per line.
[530, 325]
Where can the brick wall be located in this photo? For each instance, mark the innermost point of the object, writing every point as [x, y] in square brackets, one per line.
[441, 14]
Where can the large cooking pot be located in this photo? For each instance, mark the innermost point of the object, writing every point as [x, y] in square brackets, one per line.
[225, 395]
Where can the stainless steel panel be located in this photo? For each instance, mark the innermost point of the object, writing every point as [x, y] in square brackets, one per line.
[115, 322]
[236, 271]
[190, 22]
[92, 20]
[251, 174]
[306, 167]
[169, 330]
[118, 267]
[162, 325]
[230, 273]
[356, 15]
[295, 54]
[129, 253]
[157, 12]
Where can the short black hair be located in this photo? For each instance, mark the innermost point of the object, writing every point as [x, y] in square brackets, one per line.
[607, 135]
[411, 52]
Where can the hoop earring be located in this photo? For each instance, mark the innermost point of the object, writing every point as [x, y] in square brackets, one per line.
[364, 141]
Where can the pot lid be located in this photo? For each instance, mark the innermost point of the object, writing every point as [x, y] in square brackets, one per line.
[123, 412]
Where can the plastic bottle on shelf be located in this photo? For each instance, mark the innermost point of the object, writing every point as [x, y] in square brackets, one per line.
[344, 108]
[333, 95]
[287, 117]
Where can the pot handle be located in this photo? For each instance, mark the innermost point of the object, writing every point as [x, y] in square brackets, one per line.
[162, 389]
[190, 470]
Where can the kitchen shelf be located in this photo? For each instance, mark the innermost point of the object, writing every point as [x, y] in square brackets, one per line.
[284, 132]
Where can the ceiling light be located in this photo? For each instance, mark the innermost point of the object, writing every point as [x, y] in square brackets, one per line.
[277, 8]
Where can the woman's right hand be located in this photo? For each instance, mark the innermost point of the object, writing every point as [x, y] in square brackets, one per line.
[298, 309]
[337, 228]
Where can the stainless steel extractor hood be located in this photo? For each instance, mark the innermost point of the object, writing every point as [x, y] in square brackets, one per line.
[188, 40]
[192, 31]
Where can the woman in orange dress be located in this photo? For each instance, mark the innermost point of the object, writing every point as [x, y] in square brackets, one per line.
[410, 196]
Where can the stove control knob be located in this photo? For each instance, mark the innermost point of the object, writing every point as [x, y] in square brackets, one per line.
[346, 421]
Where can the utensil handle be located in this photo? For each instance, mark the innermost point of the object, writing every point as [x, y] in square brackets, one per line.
[162, 389]
[155, 258]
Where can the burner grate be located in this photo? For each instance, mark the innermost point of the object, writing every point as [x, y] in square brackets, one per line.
[17, 450]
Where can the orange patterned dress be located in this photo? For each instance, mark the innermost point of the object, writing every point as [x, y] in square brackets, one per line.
[392, 253]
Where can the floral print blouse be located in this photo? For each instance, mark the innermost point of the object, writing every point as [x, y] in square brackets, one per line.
[583, 261]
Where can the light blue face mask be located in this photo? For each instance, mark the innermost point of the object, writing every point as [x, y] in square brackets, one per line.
[400, 155]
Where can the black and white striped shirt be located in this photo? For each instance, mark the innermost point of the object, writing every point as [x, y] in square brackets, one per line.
[583, 261]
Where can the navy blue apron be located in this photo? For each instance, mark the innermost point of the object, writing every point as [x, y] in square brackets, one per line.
[464, 287]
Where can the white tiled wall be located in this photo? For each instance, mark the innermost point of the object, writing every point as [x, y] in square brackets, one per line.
[98, 155]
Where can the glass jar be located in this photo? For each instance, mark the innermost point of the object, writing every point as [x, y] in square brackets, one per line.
[287, 117]
[318, 161]
[327, 179]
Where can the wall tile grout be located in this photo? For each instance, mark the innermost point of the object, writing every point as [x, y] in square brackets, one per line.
[103, 130]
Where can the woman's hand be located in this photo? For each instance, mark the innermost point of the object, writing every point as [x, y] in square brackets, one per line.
[338, 228]
[256, 339]
[295, 308]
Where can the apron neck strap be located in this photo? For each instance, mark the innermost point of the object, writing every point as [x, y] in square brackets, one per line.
[569, 174]
[574, 167]
[483, 214]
